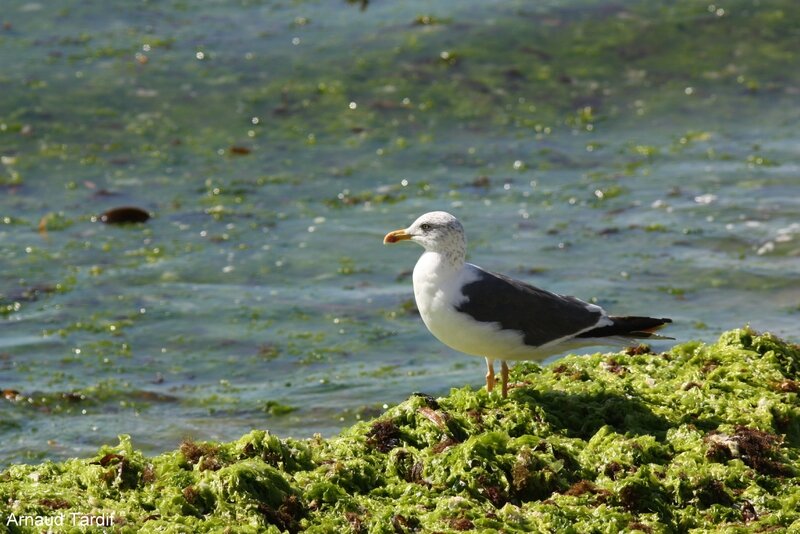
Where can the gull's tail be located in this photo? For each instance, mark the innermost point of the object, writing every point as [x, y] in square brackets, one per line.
[630, 327]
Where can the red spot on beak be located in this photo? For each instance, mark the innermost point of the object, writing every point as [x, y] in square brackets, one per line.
[395, 236]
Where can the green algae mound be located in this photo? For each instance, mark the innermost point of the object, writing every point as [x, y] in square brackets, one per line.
[703, 438]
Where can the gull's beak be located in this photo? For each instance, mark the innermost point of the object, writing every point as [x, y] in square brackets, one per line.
[395, 236]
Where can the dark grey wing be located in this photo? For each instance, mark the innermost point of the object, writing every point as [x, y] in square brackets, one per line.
[541, 316]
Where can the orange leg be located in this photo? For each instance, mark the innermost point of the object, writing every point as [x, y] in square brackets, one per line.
[489, 375]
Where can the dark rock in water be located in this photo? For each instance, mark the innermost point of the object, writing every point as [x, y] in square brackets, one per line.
[239, 150]
[124, 215]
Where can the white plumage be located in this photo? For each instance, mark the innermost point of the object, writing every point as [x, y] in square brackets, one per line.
[490, 315]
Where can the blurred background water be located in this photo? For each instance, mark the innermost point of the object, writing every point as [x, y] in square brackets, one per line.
[640, 154]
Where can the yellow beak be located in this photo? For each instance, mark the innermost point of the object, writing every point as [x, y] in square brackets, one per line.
[395, 236]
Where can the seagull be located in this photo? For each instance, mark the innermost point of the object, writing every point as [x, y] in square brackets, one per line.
[486, 314]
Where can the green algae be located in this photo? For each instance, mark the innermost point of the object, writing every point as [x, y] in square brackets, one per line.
[703, 437]
[442, 95]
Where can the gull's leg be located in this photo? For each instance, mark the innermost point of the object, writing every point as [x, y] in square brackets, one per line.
[504, 374]
[489, 375]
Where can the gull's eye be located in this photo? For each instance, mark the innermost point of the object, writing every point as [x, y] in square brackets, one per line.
[425, 227]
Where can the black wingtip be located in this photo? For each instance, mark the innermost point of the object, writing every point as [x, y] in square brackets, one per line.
[632, 327]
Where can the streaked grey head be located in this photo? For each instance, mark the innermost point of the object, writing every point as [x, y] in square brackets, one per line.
[439, 231]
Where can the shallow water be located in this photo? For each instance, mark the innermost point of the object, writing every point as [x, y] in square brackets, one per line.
[618, 152]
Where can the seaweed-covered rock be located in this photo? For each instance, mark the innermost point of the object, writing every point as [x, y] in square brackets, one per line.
[701, 437]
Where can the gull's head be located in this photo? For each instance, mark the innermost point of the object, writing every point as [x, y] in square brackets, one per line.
[437, 231]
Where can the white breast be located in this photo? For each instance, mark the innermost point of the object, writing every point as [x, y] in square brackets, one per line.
[437, 289]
